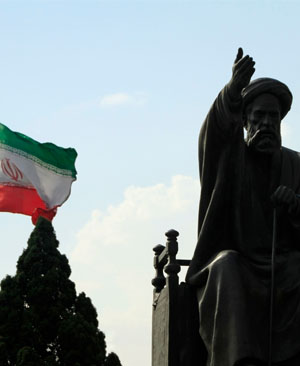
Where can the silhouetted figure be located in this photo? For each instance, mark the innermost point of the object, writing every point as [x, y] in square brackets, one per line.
[241, 181]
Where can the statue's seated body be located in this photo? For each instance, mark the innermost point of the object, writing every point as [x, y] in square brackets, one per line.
[241, 182]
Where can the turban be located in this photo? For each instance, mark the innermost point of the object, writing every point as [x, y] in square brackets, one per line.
[270, 86]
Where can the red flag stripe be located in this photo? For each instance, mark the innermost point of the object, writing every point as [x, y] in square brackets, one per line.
[18, 199]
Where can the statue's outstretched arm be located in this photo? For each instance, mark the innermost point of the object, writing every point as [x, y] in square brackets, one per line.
[225, 113]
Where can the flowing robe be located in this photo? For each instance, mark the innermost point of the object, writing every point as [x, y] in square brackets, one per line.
[231, 266]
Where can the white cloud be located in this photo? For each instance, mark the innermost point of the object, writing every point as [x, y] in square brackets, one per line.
[109, 101]
[285, 130]
[121, 99]
[112, 261]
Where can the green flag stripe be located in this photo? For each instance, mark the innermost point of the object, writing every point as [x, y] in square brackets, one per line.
[48, 155]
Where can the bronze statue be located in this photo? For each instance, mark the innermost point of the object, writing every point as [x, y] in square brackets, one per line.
[242, 180]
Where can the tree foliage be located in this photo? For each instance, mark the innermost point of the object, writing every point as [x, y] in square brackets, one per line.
[112, 360]
[43, 322]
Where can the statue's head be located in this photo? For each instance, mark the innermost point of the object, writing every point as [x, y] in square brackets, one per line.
[266, 102]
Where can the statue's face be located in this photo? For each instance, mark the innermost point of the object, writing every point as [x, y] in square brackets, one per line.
[263, 118]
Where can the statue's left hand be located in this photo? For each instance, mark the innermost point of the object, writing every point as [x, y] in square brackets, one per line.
[284, 196]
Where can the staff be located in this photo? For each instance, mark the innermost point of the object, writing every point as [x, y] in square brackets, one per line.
[274, 236]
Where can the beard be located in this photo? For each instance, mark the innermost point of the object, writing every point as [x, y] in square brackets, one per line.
[263, 141]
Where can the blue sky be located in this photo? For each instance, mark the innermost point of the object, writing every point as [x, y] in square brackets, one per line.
[128, 83]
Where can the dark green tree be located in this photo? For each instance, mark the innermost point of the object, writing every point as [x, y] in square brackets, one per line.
[112, 360]
[43, 322]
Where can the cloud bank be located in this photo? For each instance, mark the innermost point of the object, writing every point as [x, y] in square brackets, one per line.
[112, 260]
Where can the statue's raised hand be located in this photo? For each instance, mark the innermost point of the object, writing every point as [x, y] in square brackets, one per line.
[242, 71]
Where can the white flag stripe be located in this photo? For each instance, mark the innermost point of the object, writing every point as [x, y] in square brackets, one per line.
[53, 188]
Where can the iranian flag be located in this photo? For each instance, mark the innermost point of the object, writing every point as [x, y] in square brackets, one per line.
[35, 178]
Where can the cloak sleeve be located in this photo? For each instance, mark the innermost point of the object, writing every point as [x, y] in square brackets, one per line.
[221, 147]
[290, 177]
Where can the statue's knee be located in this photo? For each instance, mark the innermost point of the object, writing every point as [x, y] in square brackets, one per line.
[227, 259]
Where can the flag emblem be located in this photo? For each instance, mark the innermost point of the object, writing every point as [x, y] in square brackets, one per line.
[11, 170]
